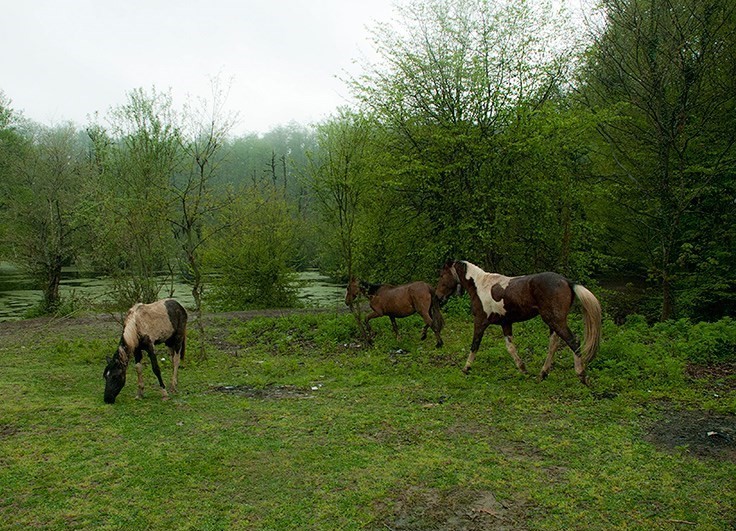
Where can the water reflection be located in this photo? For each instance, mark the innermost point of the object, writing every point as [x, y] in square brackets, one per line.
[18, 295]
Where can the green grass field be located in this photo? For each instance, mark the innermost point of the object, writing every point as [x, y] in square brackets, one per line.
[291, 423]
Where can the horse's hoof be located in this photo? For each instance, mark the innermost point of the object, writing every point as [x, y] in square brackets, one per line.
[542, 376]
[439, 345]
[466, 370]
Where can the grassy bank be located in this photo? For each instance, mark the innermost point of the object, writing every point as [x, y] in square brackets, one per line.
[292, 423]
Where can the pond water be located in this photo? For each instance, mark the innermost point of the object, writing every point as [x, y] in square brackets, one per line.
[17, 293]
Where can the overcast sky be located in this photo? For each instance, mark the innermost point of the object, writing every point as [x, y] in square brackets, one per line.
[65, 59]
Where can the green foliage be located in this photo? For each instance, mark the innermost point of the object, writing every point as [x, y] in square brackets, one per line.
[644, 357]
[250, 256]
[666, 106]
[136, 160]
[46, 188]
[308, 333]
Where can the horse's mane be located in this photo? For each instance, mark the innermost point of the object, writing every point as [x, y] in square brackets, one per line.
[370, 288]
[129, 337]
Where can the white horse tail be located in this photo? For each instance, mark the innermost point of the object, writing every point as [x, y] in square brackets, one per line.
[592, 317]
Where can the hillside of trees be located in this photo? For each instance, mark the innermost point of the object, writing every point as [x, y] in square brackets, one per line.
[496, 132]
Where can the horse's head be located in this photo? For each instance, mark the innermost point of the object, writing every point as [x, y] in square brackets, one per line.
[352, 291]
[114, 376]
[449, 282]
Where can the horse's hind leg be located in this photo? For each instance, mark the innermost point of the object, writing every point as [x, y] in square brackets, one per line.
[429, 323]
[568, 337]
[554, 344]
[509, 339]
[176, 359]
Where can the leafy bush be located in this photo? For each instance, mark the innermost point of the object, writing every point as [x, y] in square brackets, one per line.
[250, 257]
[708, 343]
[639, 356]
[305, 332]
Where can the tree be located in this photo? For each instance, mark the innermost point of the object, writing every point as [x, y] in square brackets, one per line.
[137, 159]
[46, 217]
[197, 203]
[339, 171]
[450, 89]
[661, 78]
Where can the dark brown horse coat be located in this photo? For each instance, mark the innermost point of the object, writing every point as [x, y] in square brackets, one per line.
[400, 301]
[502, 300]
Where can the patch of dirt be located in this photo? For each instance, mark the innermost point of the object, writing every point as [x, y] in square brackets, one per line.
[454, 510]
[8, 430]
[271, 391]
[717, 375]
[699, 433]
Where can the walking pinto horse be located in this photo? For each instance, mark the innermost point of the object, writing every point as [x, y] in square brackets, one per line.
[146, 325]
[399, 301]
[502, 300]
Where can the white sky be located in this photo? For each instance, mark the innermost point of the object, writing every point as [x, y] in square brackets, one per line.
[65, 59]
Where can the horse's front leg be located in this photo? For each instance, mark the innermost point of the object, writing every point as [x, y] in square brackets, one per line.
[479, 329]
[157, 371]
[368, 317]
[139, 370]
[509, 339]
[394, 326]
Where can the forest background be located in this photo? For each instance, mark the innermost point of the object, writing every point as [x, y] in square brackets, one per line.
[495, 132]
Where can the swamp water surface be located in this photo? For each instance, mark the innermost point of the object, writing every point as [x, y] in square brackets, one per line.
[18, 294]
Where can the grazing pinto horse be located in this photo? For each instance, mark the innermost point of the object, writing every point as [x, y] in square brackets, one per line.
[145, 325]
[496, 299]
[400, 301]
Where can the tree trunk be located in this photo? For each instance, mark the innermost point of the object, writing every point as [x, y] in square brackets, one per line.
[51, 291]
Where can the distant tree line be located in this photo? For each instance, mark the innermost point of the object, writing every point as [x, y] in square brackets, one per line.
[496, 132]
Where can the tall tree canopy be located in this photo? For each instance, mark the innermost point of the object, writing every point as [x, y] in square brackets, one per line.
[661, 77]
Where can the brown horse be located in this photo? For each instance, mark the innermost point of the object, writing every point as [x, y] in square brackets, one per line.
[400, 301]
[501, 300]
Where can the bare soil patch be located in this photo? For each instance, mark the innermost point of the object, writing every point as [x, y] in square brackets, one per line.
[454, 510]
[700, 433]
[717, 375]
[271, 391]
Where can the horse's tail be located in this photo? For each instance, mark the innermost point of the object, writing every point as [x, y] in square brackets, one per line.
[593, 321]
[438, 322]
[183, 344]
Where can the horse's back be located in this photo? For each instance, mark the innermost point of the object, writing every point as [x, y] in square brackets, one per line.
[158, 320]
[403, 300]
[528, 295]
[551, 290]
